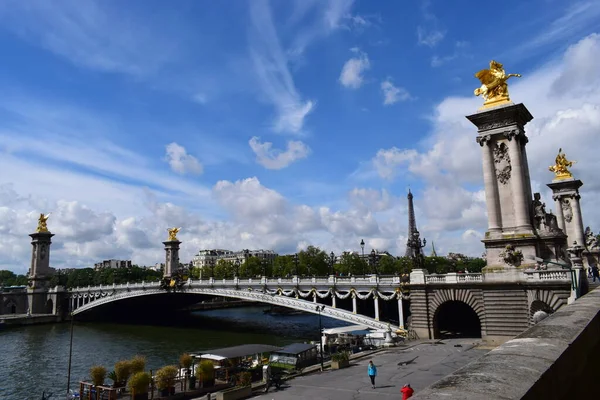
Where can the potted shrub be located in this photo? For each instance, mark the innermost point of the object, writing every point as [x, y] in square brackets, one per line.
[137, 364]
[138, 385]
[205, 373]
[165, 379]
[98, 373]
[242, 389]
[186, 361]
[122, 373]
[340, 360]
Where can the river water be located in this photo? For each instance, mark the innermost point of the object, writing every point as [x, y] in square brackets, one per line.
[35, 358]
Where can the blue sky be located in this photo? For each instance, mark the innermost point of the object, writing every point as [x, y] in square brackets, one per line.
[257, 123]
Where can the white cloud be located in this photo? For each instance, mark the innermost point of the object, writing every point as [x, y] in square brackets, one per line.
[180, 161]
[393, 94]
[76, 30]
[274, 76]
[352, 71]
[271, 158]
[429, 37]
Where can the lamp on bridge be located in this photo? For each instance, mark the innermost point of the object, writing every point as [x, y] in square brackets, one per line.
[296, 263]
[373, 261]
[237, 268]
[362, 247]
[331, 263]
[319, 309]
[212, 268]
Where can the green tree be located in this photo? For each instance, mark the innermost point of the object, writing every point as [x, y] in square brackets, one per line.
[283, 265]
[350, 264]
[437, 265]
[388, 265]
[313, 261]
[251, 267]
[9, 278]
[224, 270]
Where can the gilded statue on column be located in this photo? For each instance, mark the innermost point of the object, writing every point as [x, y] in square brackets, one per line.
[494, 88]
[42, 226]
[561, 166]
[173, 234]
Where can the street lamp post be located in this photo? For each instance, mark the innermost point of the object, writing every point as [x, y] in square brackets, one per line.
[237, 268]
[296, 264]
[331, 263]
[362, 247]
[373, 261]
[212, 269]
[319, 309]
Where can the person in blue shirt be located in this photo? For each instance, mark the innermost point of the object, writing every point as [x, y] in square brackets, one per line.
[372, 371]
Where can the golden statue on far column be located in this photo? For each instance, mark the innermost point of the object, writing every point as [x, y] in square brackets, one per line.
[173, 234]
[493, 85]
[561, 166]
[42, 227]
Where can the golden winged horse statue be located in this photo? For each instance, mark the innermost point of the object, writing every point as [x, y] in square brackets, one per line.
[493, 85]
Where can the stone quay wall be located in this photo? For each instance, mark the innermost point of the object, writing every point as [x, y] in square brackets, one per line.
[559, 358]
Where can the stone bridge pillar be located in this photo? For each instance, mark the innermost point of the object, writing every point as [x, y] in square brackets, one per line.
[40, 273]
[172, 257]
[565, 193]
[513, 228]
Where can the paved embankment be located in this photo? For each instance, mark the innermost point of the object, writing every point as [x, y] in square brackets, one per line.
[12, 320]
[559, 358]
[427, 363]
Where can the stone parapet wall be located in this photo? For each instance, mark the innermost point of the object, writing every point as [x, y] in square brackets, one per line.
[558, 358]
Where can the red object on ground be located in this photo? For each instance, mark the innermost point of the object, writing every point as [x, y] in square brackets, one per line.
[407, 392]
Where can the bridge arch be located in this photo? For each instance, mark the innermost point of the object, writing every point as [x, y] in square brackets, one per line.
[457, 313]
[275, 298]
[548, 301]
[10, 307]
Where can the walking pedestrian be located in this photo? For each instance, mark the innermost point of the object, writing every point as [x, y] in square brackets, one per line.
[406, 391]
[372, 371]
[595, 273]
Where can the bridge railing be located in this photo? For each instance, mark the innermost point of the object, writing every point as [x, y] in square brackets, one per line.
[549, 275]
[453, 277]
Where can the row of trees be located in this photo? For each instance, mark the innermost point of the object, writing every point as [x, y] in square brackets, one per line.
[310, 262]
[316, 262]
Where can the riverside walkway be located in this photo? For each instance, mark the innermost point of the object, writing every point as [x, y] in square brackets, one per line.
[427, 363]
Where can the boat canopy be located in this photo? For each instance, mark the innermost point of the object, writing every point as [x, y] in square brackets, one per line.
[295, 348]
[345, 329]
[236, 351]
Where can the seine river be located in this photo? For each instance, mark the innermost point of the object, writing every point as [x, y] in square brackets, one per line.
[35, 358]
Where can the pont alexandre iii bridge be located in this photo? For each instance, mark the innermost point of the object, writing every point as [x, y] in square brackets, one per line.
[430, 305]
[433, 304]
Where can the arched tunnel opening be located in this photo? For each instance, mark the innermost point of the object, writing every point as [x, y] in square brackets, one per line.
[455, 319]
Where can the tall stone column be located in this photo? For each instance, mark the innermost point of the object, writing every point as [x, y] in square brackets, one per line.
[172, 257]
[565, 193]
[501, 134]
[520, 188]
[489, 177]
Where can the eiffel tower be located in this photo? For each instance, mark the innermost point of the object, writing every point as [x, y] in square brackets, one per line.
[412, 229]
